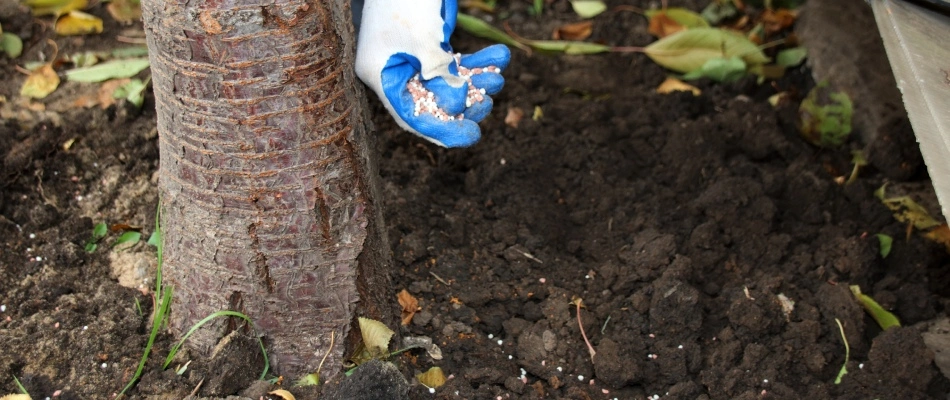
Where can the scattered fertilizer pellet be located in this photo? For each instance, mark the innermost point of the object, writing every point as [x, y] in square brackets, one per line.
[651, 336]
[84, 327]
[491, 336]
[543, 362]
[32, 236]
[511, 357]
[586, 276]
[591, 382]
[57, 393]
[503, 161]
[432, 390]
[38, 258]
[861, 366]
[765, 381]
[104, 366]
[604, 391]
[425, 100]
[580, 377]
[559, 369]
[3, 308]
[500, 342]
[56, 325]
[679, 347]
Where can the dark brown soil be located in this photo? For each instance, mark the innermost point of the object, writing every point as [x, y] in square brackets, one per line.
[679, 220]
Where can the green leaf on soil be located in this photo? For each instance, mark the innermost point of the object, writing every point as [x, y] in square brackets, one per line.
[124, 68]
[568, 47]
[484, 30]
[720, 70]
[717, 11]
[376, 336]
[791, 57]
[847, 354]
[825, 116]
[127, 240]
[432, 378]
[158, 319]
[588, 8]
[309, 380]
[11, 44]
[906, 210]
[682, 16]
[100, 230]
[883, 317]
[885, 241]
[537, 7]
[130, 52]
[133, 91]
[84, 59]
[690, 49]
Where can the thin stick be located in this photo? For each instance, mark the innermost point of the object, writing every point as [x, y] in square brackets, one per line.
[580, 324]
[438, 278]
[332, 336]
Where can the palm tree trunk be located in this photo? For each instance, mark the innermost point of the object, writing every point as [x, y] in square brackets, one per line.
[267, 177]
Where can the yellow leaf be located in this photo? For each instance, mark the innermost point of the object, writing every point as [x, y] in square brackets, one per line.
[376, 336]
[78, 23]
[284, 394]
[432, 378]
[41, 82]
[940, 234]
[671, 85]
[55, 7]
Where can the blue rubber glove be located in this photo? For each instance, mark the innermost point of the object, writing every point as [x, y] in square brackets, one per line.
[399, 39]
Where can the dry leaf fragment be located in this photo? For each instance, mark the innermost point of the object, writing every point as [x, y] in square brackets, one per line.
[55, 7]
[576, 31]
[940, 234]
[432, 378]
[661, 25]
[514, 116]
[41, 82]
[283, 393]
[777, 20]
[125, 11]
[78, 23]
[671, 85]
[104, 95]
[409, 304]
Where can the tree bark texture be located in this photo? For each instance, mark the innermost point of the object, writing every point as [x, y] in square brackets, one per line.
[266, 175]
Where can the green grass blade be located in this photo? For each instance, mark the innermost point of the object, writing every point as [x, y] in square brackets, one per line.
[157, 321]
[19, 386]
[223, 313]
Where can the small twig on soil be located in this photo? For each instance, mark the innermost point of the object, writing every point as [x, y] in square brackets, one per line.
[438, 278]
[577, 301]
[530, 256]
[319, 367]
[604, 328]
[195, 392]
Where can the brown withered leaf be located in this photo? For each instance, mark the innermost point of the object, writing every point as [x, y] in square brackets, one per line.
[661, 25]
[777, 20]
[576, 31]
[940, 234]
[409, 306]
[514, 116]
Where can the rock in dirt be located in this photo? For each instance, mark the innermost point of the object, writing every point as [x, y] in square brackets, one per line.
[374, 380]
[937, 339]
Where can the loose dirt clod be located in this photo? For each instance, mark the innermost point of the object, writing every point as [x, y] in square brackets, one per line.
[425, 99]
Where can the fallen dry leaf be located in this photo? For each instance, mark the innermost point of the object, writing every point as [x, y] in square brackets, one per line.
[104, 95]
[514, 116]
[661, 25]
[41, 82]
[409, 304]
[125, 11]
[940, 234]
[671, 85]
[576, 31]
[777, 20]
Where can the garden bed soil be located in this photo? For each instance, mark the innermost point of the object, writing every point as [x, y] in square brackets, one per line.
[682, 222]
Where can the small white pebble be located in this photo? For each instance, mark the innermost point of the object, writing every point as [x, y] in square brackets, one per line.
[32, 236]
[580, 377]
[500, 342]
[104, 366]
[491, 336]
[432, 390]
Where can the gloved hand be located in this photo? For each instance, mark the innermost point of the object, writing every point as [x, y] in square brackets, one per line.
[399, 39]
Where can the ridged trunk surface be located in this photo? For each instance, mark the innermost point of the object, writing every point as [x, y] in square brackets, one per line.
[266, 177]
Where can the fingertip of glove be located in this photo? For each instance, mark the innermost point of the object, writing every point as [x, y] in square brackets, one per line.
[450, 134]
